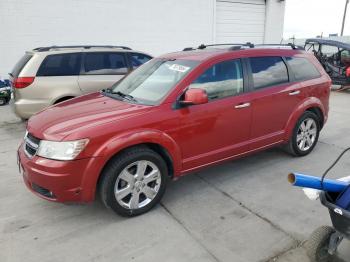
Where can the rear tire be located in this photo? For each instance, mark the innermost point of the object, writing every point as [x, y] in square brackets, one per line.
[134, 181]
[305, 135]
[317, 245]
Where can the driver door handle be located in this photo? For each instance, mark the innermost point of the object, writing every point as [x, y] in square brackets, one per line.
[243, 105]
[293, 93]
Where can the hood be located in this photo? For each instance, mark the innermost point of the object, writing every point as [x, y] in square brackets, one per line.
[75, 115]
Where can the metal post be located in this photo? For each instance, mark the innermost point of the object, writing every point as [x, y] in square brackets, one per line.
[342, 27]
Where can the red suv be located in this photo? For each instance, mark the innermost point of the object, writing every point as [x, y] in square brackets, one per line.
[175, 114]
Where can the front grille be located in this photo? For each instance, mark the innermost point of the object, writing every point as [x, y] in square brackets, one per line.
[33, 138]
[43, 191]
[31, 145]
[29, 150]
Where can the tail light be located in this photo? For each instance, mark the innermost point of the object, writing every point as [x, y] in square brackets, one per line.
[22, 82]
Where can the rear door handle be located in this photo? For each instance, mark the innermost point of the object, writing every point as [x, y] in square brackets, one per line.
[293, 93]
[243, 105]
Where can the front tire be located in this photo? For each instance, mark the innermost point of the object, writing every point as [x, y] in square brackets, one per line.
[134, 181]
[305, 135]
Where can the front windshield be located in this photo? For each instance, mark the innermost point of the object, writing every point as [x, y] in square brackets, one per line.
[151, 82]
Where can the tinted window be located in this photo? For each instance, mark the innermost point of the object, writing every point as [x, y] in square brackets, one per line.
[221, 80]
[268, 71]
[105, 64]
[20, 64]
[302, 68]
[60, 65]
[138, 59]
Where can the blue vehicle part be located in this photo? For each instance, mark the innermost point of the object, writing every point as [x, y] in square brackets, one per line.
[328, 185]
[343, 200]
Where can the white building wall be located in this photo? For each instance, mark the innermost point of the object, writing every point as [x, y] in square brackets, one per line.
[240, 21]
[156, 26]
[153, 26]
[274, 21]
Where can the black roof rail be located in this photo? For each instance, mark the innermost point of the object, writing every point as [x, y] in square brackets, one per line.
[188, 49]
[250, 45]
[48, 48]
[291, 45]
[234, 46]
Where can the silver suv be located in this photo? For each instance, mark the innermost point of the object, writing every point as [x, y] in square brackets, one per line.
[49, 75]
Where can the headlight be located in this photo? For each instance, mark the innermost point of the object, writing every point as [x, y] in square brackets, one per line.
[61, 150]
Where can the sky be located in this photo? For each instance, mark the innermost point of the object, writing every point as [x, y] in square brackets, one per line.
[309, 18]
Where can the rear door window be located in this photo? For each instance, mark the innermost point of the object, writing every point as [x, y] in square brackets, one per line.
[302, 68]
[20, 65]
[103, 63]
[137, 59]
[268, 71]
[60, 65]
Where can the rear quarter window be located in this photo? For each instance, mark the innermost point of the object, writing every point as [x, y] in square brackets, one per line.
[302, 68]
[20, 65]
[105, 63]
[138, 59]
[60, 65]
[268, 71]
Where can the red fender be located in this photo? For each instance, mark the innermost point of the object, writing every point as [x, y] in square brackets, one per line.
[114, 145]
[299, 110]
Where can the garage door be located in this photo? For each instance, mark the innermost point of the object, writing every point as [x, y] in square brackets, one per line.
[240, 21]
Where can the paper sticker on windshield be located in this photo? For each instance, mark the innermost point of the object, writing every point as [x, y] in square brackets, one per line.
[179, 68]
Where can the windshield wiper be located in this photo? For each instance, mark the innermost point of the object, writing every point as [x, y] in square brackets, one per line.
[120, 94]
[126, 96]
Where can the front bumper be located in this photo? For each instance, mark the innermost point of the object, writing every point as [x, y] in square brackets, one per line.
[60, 181]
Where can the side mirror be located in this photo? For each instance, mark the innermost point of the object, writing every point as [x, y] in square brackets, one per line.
[194, 96]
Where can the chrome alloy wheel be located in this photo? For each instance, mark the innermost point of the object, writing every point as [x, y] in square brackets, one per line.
[137, 185]
[307, 133]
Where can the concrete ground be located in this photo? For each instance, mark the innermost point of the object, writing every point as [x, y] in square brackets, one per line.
[241, 211]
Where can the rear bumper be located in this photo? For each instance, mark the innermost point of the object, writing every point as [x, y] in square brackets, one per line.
[24, 108]
[60, 181]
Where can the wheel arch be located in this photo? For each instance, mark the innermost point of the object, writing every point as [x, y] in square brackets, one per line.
[317, 111]
[311, 104]
[160, 142]
[63, 98]
[154, 146]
